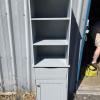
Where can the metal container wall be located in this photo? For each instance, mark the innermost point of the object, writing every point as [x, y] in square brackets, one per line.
[78, 26]
[15, 46]
[16, 55]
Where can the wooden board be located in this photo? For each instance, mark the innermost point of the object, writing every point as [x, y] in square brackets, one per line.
[90, 85]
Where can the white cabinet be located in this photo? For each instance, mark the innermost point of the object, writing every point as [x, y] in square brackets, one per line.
[51, 73]
[52, 83]
[50, 22]
[52, 91]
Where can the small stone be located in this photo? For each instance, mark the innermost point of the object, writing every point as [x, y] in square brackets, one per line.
[84, 98]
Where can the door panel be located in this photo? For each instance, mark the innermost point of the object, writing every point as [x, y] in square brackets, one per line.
[52, 92]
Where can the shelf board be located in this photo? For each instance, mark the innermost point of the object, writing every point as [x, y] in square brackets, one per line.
[64, 18]
[52, 42]
[52, 62]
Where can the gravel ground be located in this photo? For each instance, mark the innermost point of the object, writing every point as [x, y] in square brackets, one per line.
[87, 97]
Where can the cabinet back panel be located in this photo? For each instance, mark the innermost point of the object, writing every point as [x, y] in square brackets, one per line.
[49, 8]
[50, 29]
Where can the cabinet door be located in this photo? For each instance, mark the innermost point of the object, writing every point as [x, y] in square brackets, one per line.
[52, 92]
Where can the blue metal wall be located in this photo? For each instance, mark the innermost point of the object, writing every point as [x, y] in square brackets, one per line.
[78, 28]
[82, 27]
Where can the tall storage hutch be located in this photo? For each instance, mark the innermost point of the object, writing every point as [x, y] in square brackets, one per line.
[50, 27]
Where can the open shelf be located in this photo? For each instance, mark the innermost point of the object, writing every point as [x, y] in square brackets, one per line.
[49, 8]
[50, 30]
[51, 42]
[68, 18]
[52, 62]
[52, 56]
[50, 24]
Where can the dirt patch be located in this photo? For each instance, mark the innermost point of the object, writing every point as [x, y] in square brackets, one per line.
[29, 96]
[18, 96]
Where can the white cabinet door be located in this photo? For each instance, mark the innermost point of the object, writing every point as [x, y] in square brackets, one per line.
[54, 91]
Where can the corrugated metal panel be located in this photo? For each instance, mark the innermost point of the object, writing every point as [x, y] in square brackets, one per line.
[77, 9]
[5, 51]
[15, 46]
